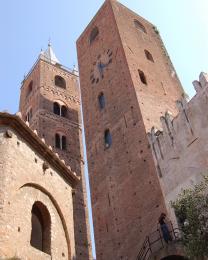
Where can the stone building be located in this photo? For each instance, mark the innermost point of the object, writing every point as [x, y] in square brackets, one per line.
[180, 146]
[144, 142]
[36, 187]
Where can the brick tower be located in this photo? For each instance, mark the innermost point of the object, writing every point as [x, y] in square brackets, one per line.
[127, 82]
[50, 102]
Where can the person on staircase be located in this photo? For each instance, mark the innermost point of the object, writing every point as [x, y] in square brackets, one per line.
[164, 228]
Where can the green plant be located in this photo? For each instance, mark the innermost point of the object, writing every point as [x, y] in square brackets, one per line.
[191, 208]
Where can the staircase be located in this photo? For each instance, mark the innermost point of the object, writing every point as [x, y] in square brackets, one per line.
[155, 242]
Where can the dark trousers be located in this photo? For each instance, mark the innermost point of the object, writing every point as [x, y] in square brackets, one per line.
[166, 234]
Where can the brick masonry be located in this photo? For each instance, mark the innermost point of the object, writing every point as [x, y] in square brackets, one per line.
[126, 195]
[47, 124]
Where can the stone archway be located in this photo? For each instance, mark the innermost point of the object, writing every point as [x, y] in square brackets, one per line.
[172, 251]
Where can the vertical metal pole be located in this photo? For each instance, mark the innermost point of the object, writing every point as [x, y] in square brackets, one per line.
[149, 244]
[161, 238]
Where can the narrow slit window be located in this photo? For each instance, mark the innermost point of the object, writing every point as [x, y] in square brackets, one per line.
[93, 35]
[29, 88]
[107, 138]
[101, 100]
[139, 26]
[142, 77]
[56, 108]
[57, 141]
[148, 55]
[63, 143]
[63, 111]
[29, 115]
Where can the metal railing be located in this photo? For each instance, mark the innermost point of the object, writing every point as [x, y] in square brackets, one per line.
[154, 242]
[42, 57]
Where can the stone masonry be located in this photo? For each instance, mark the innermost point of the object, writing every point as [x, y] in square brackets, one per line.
[180, 147]
[31, 172]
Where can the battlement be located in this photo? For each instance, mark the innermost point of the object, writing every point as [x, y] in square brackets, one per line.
[182, 131]
[180, 148]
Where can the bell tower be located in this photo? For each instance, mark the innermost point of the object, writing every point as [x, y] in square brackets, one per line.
[50, 102]
[127, 83]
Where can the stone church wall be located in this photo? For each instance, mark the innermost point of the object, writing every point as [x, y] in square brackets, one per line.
[180, 149]
[23, 181]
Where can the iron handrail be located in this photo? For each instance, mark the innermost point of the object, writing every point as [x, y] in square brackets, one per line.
[147, 247]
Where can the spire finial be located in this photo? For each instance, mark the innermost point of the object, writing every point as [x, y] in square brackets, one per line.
[49, 42]
[49, 54]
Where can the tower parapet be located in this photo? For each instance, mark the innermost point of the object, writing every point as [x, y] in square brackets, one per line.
[180, 148]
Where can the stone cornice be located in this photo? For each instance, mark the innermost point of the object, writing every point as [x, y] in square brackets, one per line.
[20, 127]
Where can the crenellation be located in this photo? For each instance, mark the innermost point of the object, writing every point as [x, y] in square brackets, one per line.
[184, 161]
[167, 128]
[145, 143]
[197, 86]
[203, 79]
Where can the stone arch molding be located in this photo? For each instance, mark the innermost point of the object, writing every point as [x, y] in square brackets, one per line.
[55, 204]
[171, 252]
[174, 257]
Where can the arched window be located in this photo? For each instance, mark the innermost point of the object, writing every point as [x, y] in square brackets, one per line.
[56, 108]
[60, 141]
[60, 82]
[57, 141]
[60, 110]
[148, 55]
[29, 88]
[29, 115]
[41, 228]
[142, 77]
[63, 143]
[63, 111]
[93, 35]
[107, 138]
[101, 100]
[139, 26]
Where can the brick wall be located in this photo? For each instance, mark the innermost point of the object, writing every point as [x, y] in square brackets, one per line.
[126, 195]
[47, 124]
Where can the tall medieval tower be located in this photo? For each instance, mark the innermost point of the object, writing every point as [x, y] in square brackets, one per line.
[50, 102]
[127, 83]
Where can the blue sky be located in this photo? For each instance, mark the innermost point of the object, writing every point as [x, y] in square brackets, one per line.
[26, 26]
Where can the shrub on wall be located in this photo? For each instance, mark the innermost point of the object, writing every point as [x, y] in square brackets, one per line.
[191, 208]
